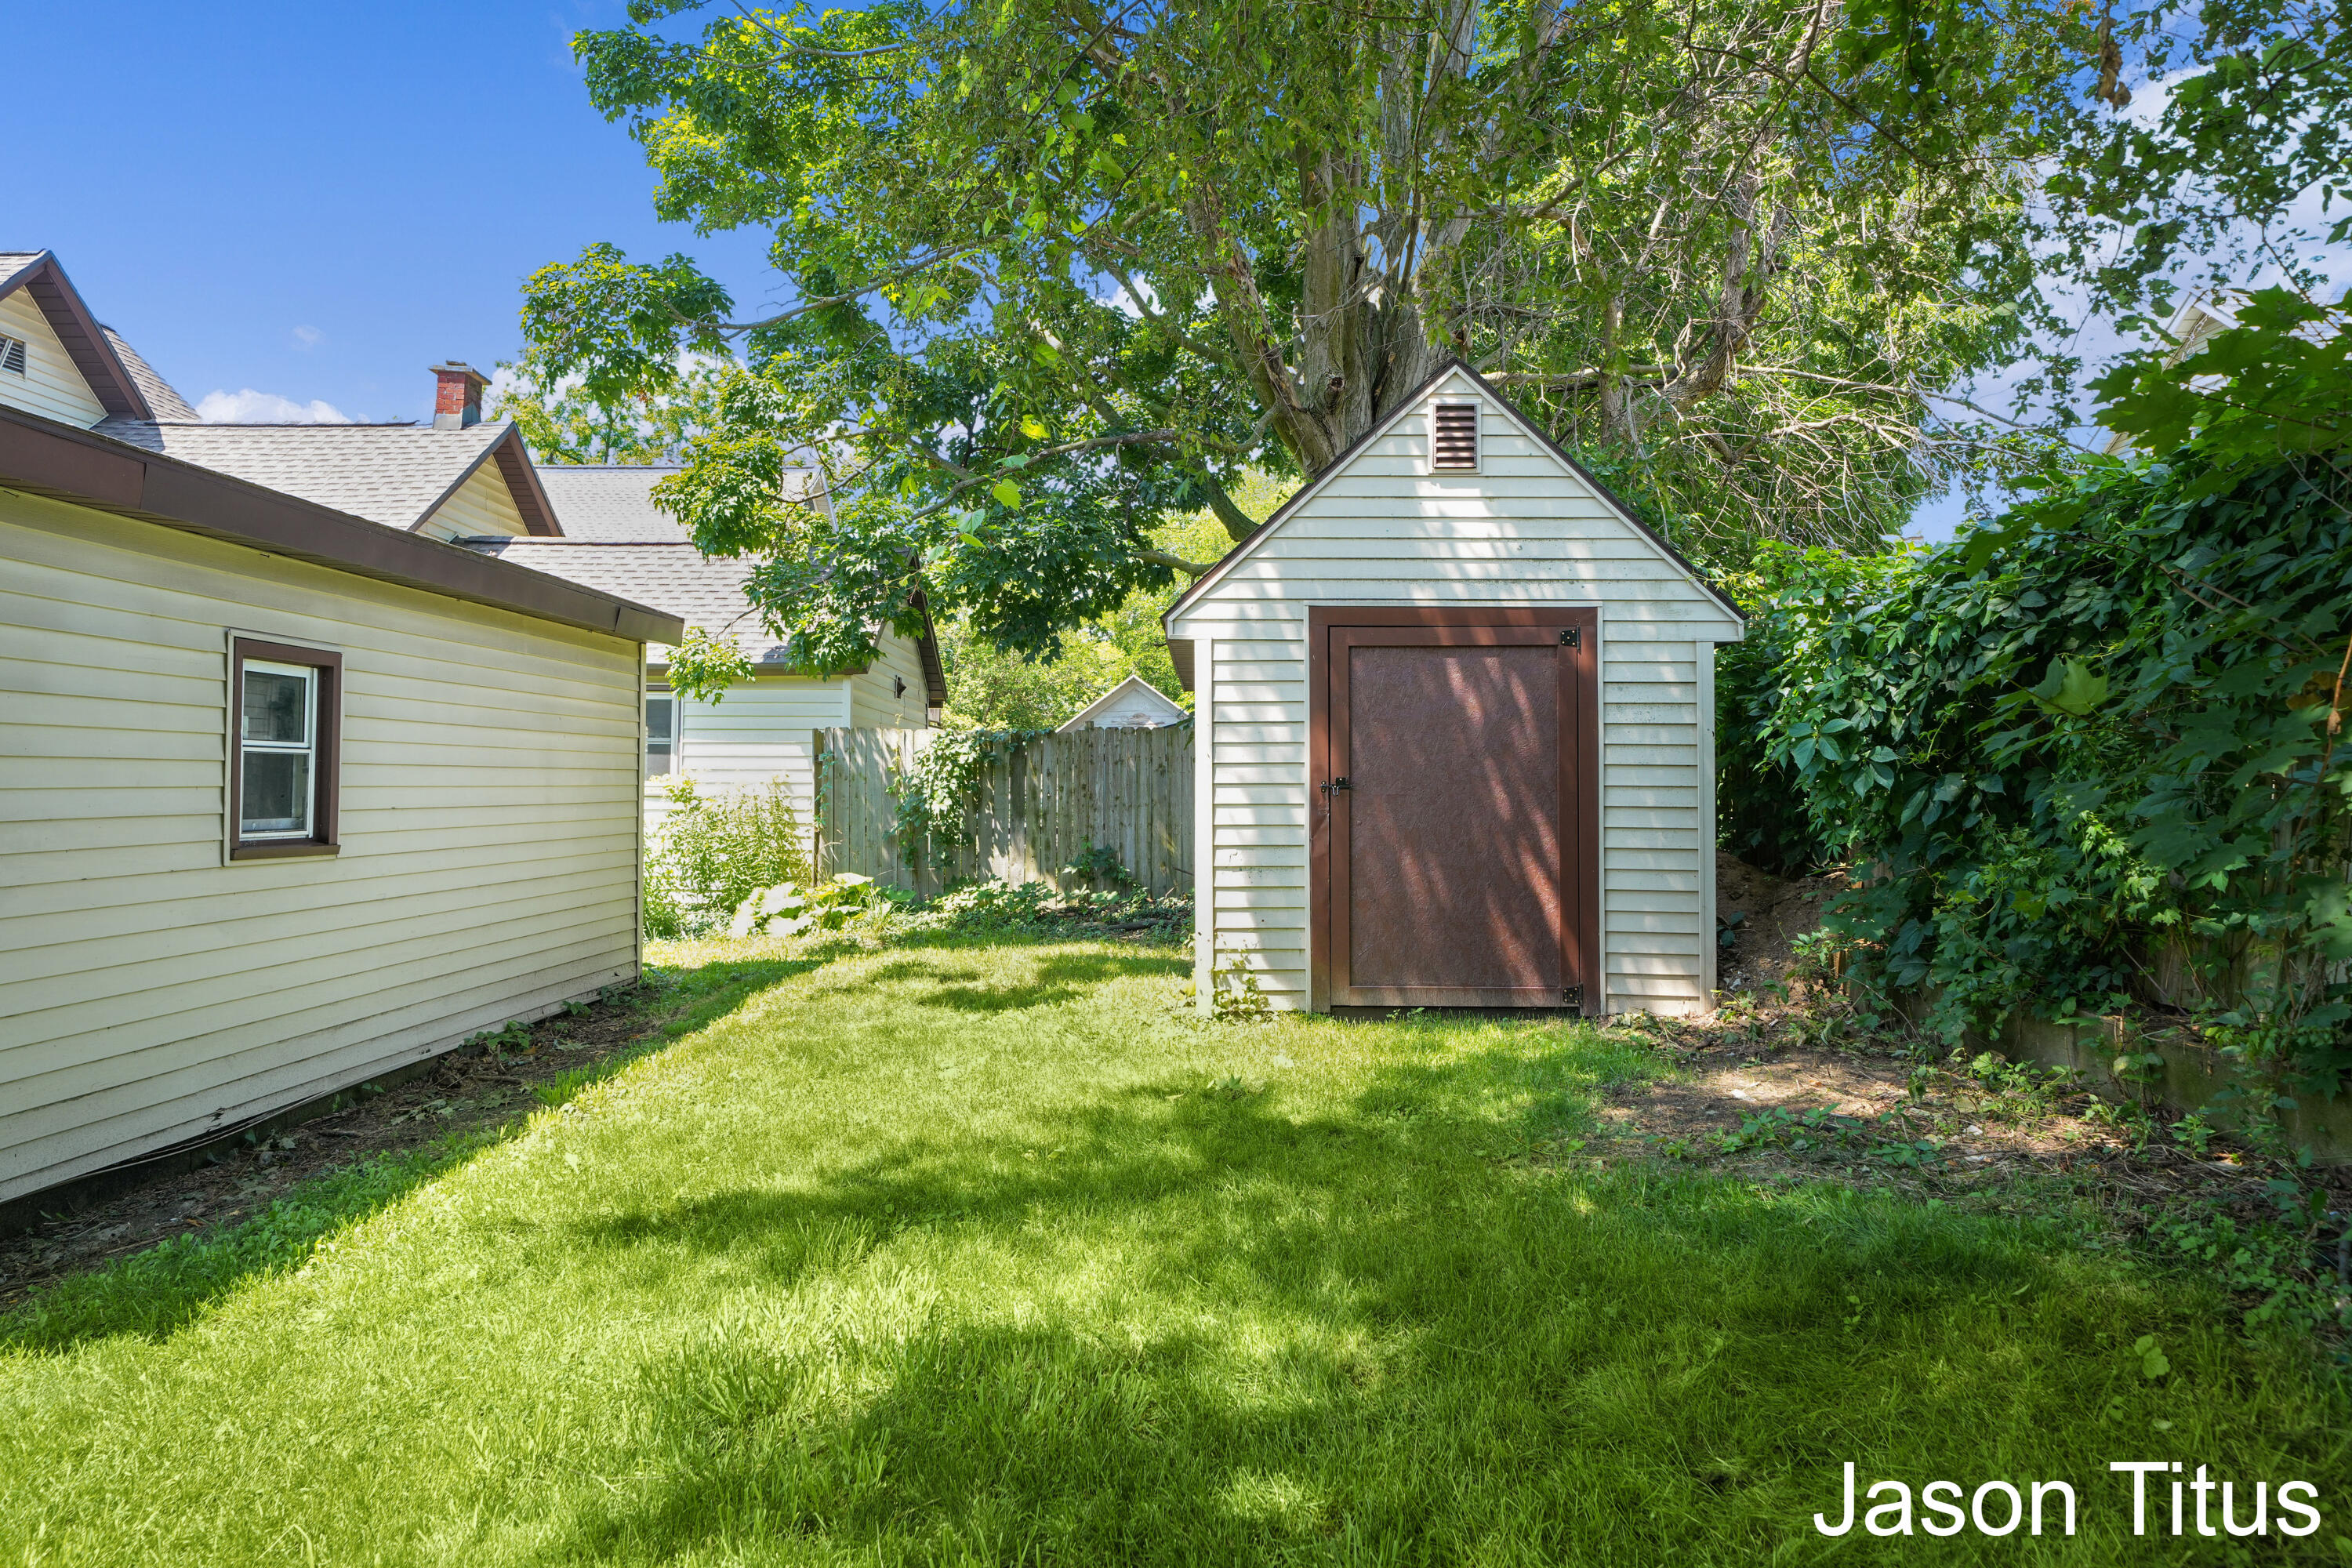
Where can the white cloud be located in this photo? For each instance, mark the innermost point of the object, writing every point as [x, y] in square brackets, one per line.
[307, 337]
[248, 406]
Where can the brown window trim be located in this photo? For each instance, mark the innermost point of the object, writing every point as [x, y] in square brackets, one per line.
[326, 751]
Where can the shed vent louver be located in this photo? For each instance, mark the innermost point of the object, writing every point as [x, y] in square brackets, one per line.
[1453, 436]
[12, 355]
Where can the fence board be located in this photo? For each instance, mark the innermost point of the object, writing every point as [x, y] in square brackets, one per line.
[1040, 807]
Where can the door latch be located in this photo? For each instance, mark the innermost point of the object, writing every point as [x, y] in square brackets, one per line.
[1573, 996]
[1338, 784]
[1571, 636]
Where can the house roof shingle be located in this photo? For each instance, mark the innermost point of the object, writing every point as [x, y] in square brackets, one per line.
[612, 504]
[616, 541]
[161, 394]
[391, 474]
[44, 457]
[673, 577]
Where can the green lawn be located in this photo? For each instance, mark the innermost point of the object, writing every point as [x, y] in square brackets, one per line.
[992, 1254]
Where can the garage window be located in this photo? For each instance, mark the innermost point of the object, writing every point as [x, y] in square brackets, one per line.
[284, 745]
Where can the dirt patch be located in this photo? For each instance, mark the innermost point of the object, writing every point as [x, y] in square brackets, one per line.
[1760, 1091]
[1765, 916]
[468, 1090]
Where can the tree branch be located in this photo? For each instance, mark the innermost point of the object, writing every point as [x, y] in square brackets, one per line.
[1174, 563]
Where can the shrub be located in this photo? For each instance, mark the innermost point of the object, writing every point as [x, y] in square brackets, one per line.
[2116, 714]
[716, 850]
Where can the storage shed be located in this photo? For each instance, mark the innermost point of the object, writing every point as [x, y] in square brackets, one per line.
[1455, 710]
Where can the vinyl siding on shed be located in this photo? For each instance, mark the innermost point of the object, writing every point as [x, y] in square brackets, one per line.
[50, 386]
[1524, 530]
[154, 993]
[872, 702]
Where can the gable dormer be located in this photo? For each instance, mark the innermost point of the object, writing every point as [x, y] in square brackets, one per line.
[55, 359]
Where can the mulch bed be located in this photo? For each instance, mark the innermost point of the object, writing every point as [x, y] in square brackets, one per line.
[467, 1090]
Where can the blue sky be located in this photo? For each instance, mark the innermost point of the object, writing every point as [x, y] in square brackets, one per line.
[318, 201]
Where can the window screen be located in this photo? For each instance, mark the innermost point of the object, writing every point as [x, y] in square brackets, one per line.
[279, 719]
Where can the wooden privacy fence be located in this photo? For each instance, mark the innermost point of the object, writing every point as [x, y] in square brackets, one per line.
[1041, 806]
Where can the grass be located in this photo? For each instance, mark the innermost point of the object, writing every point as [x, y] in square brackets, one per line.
[962, 1253]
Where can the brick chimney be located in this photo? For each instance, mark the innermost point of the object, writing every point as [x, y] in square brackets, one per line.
[458, 400]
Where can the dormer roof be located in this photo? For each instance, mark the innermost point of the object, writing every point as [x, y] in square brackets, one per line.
[125, 385]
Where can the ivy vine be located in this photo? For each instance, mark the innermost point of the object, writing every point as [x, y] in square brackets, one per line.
[938, 791]
[2114, 720]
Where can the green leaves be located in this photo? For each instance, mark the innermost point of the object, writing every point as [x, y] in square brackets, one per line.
[2277, 381]
[2105, 719]
[706, 664]
[1132, 259]
[2072, 687]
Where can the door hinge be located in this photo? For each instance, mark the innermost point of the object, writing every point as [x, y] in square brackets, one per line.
[1571, 636]
[1573, 996]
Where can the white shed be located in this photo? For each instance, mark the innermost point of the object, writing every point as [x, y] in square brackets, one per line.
[1133, 704]
[1455, 705]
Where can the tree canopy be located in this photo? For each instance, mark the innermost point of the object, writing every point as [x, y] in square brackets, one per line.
[1054, 273]
[648, 424]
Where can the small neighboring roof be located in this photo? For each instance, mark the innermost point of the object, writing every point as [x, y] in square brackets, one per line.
[396, 475]
[95, 351]
[700, 590]
[1133, 703]
[161, 395]
[614, 502]
[86, 467]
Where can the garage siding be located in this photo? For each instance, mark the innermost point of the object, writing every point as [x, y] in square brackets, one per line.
[1525, 530]
[153, 993]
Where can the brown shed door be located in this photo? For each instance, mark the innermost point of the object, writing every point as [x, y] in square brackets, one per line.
[1458, 869]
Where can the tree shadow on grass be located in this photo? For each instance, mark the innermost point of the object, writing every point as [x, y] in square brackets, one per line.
[1333, 1326]
[1057, 979]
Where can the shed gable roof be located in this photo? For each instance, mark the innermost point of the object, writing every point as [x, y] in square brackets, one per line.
[1407, 406]
[1135, 689]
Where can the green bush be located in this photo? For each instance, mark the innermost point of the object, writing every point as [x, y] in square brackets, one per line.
[716, 850]
[2116, 714]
